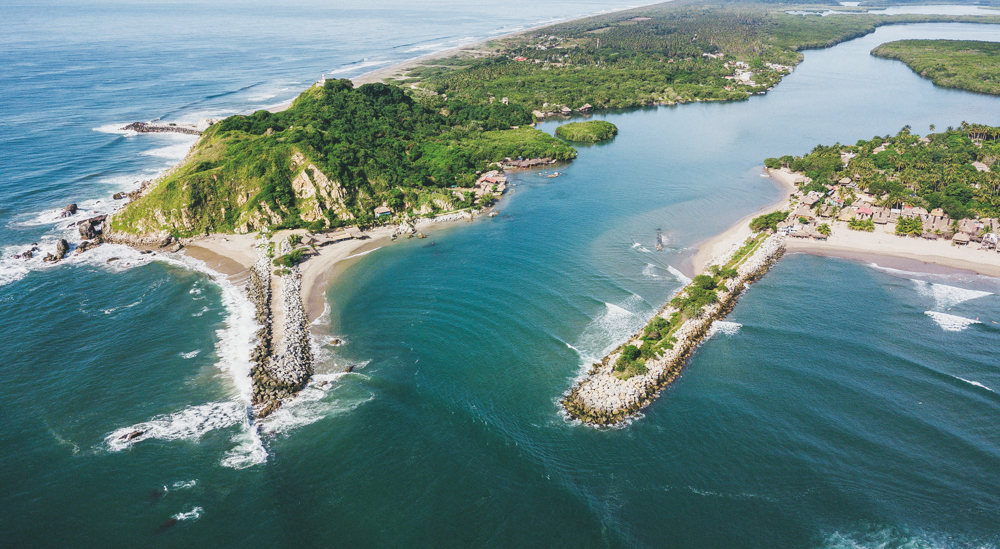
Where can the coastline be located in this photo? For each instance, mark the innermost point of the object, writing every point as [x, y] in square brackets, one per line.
[378, 75]
[882, 248]
[738, 232]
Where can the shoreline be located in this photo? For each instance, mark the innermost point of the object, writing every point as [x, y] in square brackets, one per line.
[917, 254]
[378, 75]
[739, 231]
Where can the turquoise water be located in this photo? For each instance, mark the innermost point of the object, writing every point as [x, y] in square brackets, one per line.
[832, 411]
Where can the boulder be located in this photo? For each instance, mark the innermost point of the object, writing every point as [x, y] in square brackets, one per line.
[61, 248]
[166, 242]
[68, 211]
[86, 245]
[87, 231]
[119, 196]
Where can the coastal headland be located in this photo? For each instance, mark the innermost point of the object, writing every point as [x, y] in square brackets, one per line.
[439, 133]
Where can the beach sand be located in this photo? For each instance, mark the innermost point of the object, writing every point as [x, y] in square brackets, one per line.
[739, 232]
[873, 247]
[882, 248]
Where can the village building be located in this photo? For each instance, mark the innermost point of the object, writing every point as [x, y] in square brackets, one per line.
[382, 211]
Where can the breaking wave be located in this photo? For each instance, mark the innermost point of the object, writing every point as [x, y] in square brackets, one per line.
[724, 327]
[679, 275]
[190, 423]
[945, 296]
[951, 323]
[976, 383]
[193, 514]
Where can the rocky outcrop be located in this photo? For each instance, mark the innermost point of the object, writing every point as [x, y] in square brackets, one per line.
[602, 398]
[62, 247]
[148, 127]
[68, 211]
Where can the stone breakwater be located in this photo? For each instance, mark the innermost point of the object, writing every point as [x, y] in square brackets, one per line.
[602, 398]
[281, 369]
[147, 127]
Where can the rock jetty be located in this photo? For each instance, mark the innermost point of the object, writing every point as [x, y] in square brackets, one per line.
[149, 127]
[603, 398]
[281, 368]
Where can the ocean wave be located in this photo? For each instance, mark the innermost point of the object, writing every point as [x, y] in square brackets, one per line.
[117, 129]
[359, 65]
[611, 326]
[976, 383]
[184, 484]
[882, 537]
[312, 404]
[191, 423]
[650, 271]
[192, 354]
[193, 514]
[946, 296]
[724, 327]
[426, 47]
[951, 323]
[173, 152]
[679, 275]
[249, 450]
[366, 252]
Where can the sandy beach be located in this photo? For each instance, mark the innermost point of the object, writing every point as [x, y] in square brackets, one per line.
[872, 247]
[880, 247]
[741, 230]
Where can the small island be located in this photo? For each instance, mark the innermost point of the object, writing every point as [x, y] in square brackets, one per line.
[961, 64]
[592, 131]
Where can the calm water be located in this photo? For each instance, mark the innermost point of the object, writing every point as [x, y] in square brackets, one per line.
[843, 405]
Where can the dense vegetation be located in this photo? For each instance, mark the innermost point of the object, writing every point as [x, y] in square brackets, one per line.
[333, 157]
[667, 53]
[768, 221]
[340, 152]
[963, 64]
[587, 132]
[934, 172]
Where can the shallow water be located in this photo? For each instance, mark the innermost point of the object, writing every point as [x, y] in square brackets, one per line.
[841, 405]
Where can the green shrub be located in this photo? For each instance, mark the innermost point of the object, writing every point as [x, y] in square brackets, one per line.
[587, 132]
[768, 221]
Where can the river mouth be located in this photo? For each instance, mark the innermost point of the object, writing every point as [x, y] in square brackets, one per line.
[839, 412]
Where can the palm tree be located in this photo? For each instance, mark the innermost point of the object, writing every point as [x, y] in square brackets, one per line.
[932, 128]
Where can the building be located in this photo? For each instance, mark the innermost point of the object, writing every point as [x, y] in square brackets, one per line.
[382, 210]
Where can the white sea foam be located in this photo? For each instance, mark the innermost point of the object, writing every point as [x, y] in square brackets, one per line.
[724, 327]
[650, 271]
[116, 128]
[360, 65]
[193, 514]
[192, 354]
[249, 450]
[363, 253]
[426, 47]
[312, 404]
[889, 537]
[190, 423]
[946, 296]
[184, 484]
[951, 323]
[611, 326]
[175, 151]
[679, 275]
[323, 319]
[976, 383]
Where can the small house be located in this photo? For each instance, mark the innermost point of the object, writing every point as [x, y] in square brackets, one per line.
[382, 211]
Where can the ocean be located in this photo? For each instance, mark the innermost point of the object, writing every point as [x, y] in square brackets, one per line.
[842, 403]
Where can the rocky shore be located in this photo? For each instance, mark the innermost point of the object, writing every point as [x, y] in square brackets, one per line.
[603, 398]
[148, 127]
[283, 367]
